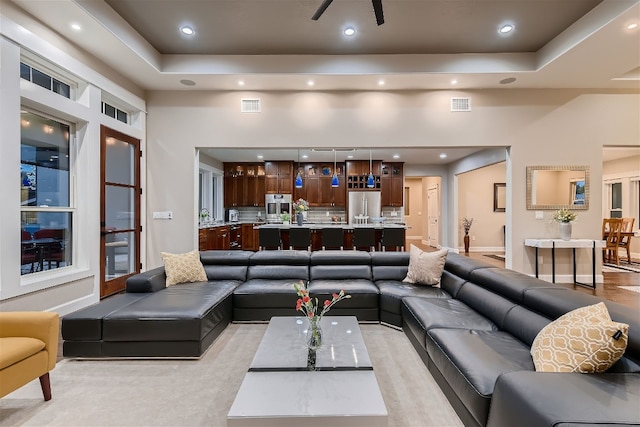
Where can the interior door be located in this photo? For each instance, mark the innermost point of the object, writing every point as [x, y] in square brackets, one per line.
[119, 211]
[433, 218]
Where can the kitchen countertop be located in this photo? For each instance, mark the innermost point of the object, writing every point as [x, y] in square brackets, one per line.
[223, 223]
[320, 225]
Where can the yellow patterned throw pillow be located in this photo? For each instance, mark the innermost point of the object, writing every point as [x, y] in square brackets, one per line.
[183, 268]
[425, 267]
[584, 340]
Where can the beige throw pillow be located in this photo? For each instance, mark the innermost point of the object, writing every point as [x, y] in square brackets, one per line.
[183, 268]
[584, 340]
[425, 268]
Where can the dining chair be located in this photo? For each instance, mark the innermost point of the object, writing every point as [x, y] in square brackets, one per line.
[53, 251]
[332, 238]
[625, 240]
[611, 228]
[300, 238]
[269, 238]
[393, 238]
[364, 237]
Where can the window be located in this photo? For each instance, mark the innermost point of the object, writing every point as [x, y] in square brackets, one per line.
[44, 80]
[45, 193]
[116, 113]
[615, 204]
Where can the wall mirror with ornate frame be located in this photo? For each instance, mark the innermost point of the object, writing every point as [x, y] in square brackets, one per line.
[556, 187]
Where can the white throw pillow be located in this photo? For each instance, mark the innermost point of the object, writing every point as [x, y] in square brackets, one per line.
[183, 268]
[425, 268]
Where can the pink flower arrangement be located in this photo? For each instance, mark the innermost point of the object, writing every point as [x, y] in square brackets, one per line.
[309, 306]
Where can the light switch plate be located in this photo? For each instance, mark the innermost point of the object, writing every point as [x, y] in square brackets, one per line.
[163, 215]
[539, 215]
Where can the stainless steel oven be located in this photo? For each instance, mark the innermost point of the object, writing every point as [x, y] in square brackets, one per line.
[276, 205]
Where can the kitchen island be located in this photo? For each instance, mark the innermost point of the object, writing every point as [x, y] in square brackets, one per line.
[317, 227]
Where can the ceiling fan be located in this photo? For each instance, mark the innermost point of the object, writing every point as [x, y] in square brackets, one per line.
[377, 9]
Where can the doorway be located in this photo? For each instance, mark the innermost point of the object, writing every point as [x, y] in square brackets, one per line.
[433, 215]
[120, 223]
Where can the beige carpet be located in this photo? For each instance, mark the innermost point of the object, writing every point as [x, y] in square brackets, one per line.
[200, 392]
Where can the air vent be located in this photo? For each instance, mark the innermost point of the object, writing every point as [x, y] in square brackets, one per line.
[460, 104]
[250, 105]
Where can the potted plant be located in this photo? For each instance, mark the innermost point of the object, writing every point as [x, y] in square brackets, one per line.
[286, 218]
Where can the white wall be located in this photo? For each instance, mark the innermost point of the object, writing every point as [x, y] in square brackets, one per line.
[540, 127]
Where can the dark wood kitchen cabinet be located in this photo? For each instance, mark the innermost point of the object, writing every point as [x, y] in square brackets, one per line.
[392, 184]
[254, 185]
[316, 185]
[250, 238]
[358, 172]
[278, 177]
[214, 238]
[244, 184]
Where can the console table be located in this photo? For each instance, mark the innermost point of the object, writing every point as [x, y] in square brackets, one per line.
[573, 244]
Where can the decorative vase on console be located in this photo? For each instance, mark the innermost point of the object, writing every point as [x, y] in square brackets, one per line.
[565, 217]
[466, 224]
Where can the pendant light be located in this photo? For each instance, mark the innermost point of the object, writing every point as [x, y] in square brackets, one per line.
[370, 181]
[334, 180]
[299, 176]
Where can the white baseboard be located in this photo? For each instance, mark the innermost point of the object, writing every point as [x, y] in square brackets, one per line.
[568, 278]
[483, 249]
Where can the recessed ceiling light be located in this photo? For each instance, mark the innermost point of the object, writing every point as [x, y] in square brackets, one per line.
[380, 82]
[396, 156]
[260, 156]
[349, 31]
[632, 26]
[310, 83]
[188, 82]
[507, 28]
[186, 30]
[350, 156]
[454, 82]
[443, 156]
[240, 82]
[76, 27]
[304, 156]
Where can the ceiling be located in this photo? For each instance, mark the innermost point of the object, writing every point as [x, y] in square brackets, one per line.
[423, 44]
[273, 45]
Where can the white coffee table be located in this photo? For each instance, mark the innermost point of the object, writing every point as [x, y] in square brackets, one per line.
[280, 388]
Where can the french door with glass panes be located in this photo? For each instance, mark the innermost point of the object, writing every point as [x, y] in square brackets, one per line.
[119, 211]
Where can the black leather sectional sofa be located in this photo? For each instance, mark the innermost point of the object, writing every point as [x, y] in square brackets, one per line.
[473, 333]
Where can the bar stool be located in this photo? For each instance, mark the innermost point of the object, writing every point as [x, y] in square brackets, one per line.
[300, 237]
[364, 237]
[393, 238]
[269, 238]
[333, 238]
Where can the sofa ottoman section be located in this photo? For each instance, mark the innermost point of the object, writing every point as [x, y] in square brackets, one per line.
[82, 329]
[179, 321]
[268, 290]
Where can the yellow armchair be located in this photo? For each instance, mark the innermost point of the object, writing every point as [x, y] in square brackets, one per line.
[28, 349]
